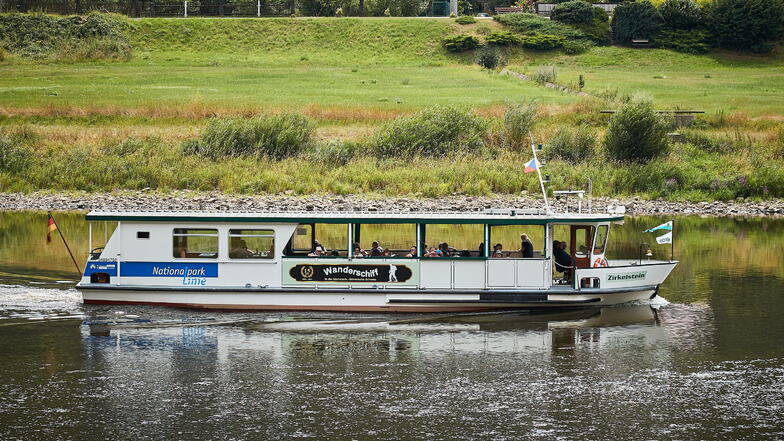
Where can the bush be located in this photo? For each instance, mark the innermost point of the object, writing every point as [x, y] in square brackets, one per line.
[545, 74]
[687, 41]
[276, 137]
[598, 30]
[573, 145]
[637, 133]
[529, 24]
[488, 57]
[576, 47]
[433, 132]
[335, 152]
[635, 20]
[681, 14]
[542, 42]
[460, 43]
[3, 54]
[752, 25]
[15, 157]
[573, 12]
[519, 119]
[502, 38]
[465, 20]
[38, 35]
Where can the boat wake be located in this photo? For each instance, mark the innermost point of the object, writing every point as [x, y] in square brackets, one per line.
[30, 303]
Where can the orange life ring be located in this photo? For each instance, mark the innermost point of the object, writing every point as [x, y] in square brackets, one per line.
[600, 262]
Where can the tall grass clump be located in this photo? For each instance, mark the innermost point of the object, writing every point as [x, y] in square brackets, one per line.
[335, 152]
[15, 157]
[573, 146]
[434, 132]
[276, 137]
[637, 133]
[519, 119]
[545, 74]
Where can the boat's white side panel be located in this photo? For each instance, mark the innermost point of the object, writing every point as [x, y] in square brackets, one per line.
[532, 273]
[647, 273]
[468, 274]
[501, 273]
[436, 274]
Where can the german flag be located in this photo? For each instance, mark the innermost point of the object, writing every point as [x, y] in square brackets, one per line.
[50, 229]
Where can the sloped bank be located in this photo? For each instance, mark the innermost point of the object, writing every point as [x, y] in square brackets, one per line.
[215, 201]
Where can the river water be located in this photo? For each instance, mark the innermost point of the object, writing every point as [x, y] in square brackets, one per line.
[703, 361]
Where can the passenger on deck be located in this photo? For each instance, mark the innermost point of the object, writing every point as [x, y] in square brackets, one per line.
[432, 252]
[526, 247]
[482, 249]
[412, 252]
[375, 249]
[498, 251]
[358, 252]
[239, 249]
[563, 261]
[317, 247]
[444, 248]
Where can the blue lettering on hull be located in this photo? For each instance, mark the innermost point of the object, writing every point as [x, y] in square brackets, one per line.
[168, 269]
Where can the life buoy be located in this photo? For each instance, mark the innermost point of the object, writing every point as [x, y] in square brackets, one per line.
[600, 262]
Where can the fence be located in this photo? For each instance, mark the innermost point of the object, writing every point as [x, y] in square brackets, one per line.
[150, 8]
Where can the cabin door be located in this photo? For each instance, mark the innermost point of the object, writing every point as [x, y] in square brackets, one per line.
[580, 243]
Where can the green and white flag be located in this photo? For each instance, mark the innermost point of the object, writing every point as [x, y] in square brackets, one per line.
[665, 226]
[664, 238]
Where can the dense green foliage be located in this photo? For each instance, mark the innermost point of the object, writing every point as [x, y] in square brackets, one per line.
[530, 24]
[276, 137]
[460, 43]
[92, 36]
[465, 19]
[753, 25]
[573, 145]
[637, 133]
[576, 47]
[502, 38]
[542, 42]
[434, 132]
[488, 57]
[373, 8]
[681, 14]
[635, 20]
[573, 12]
[598, 29]
[695, 41]
[15, 157]
[519, 120]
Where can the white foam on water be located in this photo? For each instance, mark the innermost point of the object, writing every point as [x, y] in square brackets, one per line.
[36, 303]
[658, 301]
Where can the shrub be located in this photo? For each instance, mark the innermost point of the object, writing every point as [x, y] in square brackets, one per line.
[433, 132]
[3, 54]
[576, 47]
[465, 20]
[573, 145]
[335, 152]
[460, 43]
[488, 57]
[573, 12]
[752, 25]
[519, 119]
[637, 133]
[688, 41]
[542, 42]
[633, 20]
[529, 24]
[276, 137]
[545, 74]
[483, 29]
[15, 157]
[681, 14]
[502, 38]
[598, 30]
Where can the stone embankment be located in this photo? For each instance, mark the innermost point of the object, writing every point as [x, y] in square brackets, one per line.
[215, 201]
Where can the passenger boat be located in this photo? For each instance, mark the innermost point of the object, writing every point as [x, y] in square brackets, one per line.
[365, 261]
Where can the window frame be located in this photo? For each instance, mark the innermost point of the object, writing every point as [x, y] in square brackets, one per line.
[270, 234]
[176, 235]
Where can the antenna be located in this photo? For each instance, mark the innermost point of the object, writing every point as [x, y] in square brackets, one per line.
[538, 171]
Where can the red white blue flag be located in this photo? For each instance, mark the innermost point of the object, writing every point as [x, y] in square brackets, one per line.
[531, 166]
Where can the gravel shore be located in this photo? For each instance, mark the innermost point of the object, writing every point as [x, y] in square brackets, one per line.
[215, 201]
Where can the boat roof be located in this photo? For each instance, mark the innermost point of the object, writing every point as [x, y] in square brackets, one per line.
[492, 217]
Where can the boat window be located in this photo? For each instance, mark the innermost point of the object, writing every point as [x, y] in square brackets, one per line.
[195, 243]
[251, 244]
[394, 240]
[302, 242]
[142, 234]
[601, 239]
[511, 243]
[454, 240]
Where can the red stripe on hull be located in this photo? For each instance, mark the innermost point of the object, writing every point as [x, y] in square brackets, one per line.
[307, 308]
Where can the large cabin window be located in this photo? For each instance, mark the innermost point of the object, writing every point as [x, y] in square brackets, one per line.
[454, 240]
[251, 244]
[201, 243]
[384, 240]
[318, 240]
[506, 241]
[601, 239]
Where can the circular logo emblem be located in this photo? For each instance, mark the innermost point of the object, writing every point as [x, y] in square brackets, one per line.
[306, 271]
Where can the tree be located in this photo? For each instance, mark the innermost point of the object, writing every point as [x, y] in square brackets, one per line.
[637, 133]
[752, 25]
[635, 20]
[573, 12]
[681, 14]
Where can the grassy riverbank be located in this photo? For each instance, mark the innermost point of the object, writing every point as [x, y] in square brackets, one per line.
[351, 76]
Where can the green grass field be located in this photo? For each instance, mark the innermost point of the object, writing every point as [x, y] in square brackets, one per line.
[351, 75]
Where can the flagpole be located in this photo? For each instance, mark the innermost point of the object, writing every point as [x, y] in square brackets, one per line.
[539, 173]
[66, 244]
[672, 241]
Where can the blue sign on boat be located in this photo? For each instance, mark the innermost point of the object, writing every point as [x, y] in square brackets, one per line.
[109, 268]
[168, 269]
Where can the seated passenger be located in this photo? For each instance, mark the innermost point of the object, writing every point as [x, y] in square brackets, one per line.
[444, 248]
[563, 261]
[412, 252]
[432, 252]
[318, 247]
[239, 249]
[482, 249]
[358, 252]
[498, 251]
[526, 247]
[375, 249]
[335, 253]
[316, 253]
